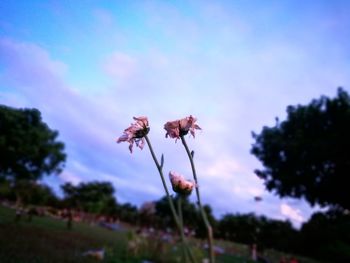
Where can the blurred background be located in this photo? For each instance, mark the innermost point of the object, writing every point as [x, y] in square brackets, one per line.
[90, 66]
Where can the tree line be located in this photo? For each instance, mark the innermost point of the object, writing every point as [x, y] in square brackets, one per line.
[326, 236]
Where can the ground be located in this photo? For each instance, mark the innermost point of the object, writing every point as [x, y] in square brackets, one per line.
[47, 240]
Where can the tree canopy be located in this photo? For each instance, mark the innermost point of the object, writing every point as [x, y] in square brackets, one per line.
[306, 156]
[191, 215]
[28, 147]
[94, 197]
[326, 236]
[250, 228]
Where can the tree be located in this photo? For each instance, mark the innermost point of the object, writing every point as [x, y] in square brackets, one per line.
[28, 147]
[128, 213]
[191, 215]
[238, 228]
[306, 156]
[6, 191]
[41, 194]
[267, 233]
[147, 215]
[332, 243]
[93, 197]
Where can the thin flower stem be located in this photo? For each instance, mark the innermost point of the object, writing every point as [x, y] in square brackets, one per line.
[179, 211]
[171, 204]
[204, 215]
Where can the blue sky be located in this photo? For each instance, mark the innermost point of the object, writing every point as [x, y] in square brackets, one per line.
[90, 66]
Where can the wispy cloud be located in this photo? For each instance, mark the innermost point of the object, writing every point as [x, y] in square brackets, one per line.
[120, 65]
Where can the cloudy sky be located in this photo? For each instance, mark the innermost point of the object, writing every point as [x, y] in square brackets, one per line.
[90, 66]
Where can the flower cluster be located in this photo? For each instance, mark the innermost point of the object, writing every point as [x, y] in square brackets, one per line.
[175, 129]
[135, 133]
[180, 184]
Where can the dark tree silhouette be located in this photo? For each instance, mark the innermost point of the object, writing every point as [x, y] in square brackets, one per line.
[33, 193]
[191, 215]
[93, 197]
[28, 147]
[249, 228]
[326, 236]
[128, 213]
[307, 155]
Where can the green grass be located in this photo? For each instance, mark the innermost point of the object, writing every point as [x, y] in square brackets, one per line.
[47, 240]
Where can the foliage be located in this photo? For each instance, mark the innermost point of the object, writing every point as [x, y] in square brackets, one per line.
[127, 213]
[28, 147]
[326, 236]
[163, 211]
[33, 193]
[249, 229]
[93, 197]
[239, 228]
[278, 235]
[6, 191]
[191, 215]
[306, 156]
[147, 215]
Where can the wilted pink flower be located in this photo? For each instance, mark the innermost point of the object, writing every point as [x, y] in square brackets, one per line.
[135, 133]
[180, 184]
[178, 128]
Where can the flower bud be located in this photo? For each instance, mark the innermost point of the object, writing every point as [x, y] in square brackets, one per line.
[180, 184]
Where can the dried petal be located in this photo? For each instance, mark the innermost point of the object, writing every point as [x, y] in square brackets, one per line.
[135, 133]
[175, 129]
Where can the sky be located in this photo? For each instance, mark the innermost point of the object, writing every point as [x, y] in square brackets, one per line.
[90, 66]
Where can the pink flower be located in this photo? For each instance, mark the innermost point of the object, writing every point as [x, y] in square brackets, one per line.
[180, 184]
[135, 133]
[178, 128]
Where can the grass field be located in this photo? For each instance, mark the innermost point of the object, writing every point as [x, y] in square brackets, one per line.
[47, 240]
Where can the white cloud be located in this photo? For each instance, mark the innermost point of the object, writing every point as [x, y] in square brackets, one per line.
[292, 213]
[70, 178]
[15, 55]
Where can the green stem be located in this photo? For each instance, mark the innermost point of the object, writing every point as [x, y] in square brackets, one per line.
[179, 210]
[203, 214]
[171, 204]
